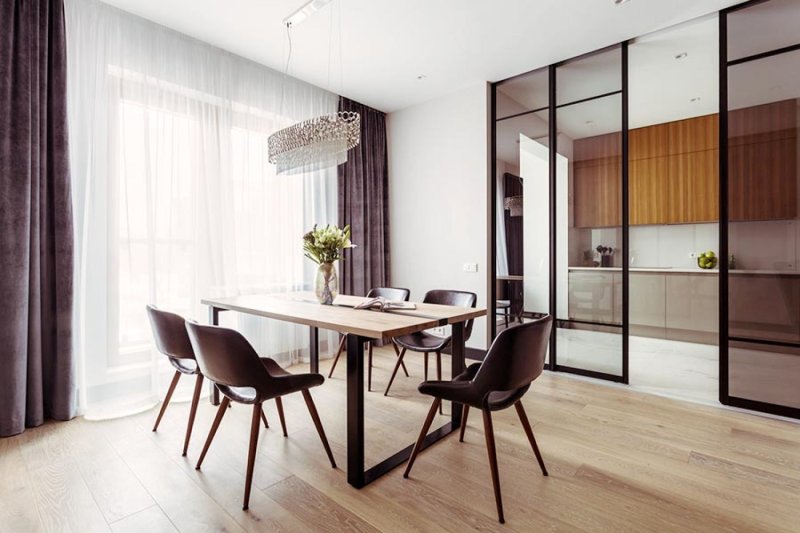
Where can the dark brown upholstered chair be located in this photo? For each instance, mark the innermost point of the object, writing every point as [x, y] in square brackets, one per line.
[390, 293]
[226, 358]
[172, 340]
[425, 342]
[514, 360]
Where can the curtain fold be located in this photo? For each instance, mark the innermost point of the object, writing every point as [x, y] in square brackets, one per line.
[37, 377]
[364, 203]
[175, 198]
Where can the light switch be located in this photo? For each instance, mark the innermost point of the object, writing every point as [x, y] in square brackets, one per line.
[470, 267]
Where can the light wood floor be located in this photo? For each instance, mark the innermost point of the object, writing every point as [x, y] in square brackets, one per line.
[618, 460]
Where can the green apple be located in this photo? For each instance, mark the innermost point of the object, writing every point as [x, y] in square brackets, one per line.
[710, 255]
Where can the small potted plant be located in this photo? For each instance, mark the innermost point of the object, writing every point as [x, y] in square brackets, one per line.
[324, 246]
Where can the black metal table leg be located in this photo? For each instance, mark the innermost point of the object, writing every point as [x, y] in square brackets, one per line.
[355, 411]
[313, 349]
[456, 368]
[356, 475]
[213, 319]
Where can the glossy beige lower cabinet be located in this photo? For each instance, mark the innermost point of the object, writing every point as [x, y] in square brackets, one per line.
[663, 304]
[764, 306]
[592, 296]
[647, 303]
[692, 310]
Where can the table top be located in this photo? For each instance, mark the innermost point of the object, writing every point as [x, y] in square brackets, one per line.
[303, 308]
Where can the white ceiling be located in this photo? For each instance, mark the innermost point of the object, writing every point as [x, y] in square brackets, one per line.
[386, 44]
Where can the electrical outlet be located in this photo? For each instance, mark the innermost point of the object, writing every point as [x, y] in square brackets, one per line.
[470, 267]
[438, 331]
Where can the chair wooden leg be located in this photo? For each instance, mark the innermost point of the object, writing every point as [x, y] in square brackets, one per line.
[312, 409]
[397, 353]
[251, 455]
[338, 353]
[488, 430]
[523, 418]
[279, 403]
[394, 373]
[464, 415]
[505, 316]
[264, 418]
[423, 432]
[426, 366]
[167, 398]
[223, 408]
[198, 387]
[369, 369]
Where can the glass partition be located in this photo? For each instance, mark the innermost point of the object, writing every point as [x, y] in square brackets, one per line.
[763, 278]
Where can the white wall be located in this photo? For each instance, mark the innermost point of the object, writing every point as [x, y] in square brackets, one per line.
[438, 153]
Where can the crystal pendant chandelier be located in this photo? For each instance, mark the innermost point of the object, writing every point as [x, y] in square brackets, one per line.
[316, 143]
[319, 142]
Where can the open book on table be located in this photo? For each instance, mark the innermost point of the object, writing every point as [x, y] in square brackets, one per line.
[383, 304]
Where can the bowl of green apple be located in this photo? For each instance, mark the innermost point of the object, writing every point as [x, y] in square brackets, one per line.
[706, 260]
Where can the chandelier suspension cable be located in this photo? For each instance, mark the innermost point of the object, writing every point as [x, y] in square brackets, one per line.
[319, 142]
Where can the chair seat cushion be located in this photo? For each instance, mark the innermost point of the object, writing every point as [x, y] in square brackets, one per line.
[422, 342]
[460, 390]
[284, 383]
[184, 365]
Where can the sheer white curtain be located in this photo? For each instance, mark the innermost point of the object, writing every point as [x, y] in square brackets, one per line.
[174, 197]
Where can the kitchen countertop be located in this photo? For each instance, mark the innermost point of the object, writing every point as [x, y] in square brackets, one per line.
[667, 270]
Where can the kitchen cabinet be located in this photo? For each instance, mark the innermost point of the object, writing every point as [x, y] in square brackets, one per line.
[674, 170]
[647, 305]
[692, 307]
[591, 296]
[762, 162]
[598, 193]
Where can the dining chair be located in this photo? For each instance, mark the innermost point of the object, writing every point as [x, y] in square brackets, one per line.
[425, 342]
[169, 331]
[390, 293]
[514, 360]
[226, 358]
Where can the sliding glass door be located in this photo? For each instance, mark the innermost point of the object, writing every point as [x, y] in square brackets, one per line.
[558, 209]
[590, 253]
[760, 284]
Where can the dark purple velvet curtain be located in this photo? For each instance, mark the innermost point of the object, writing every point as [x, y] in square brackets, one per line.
[364, 204]
[37, 378]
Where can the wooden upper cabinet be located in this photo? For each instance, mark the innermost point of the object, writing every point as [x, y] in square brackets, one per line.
[649, 142]
[693, 134]
[673, 171]
[762, 162]
[649, 183]
[597, 181]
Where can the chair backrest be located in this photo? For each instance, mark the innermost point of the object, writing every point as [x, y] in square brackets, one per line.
[225, 357]
[458, 298]
[390, 293]
[515, 358]
[170, 333]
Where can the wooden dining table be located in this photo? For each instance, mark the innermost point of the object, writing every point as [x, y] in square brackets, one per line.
[360, 325]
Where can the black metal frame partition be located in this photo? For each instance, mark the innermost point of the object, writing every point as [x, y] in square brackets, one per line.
[724, 215]
[552, 109]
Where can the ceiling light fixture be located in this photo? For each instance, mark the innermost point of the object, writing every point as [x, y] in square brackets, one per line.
[695, 99]
[421, 77]
[319, 142]
[620, 2]
[304, 11]
[682, 55]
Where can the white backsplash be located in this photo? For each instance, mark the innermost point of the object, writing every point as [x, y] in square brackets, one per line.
[764, 245]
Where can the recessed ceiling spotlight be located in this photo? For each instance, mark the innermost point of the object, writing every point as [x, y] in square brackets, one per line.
[421, 77]
[681, 55]
[620, 2]
[589, 122]
[695, 99]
